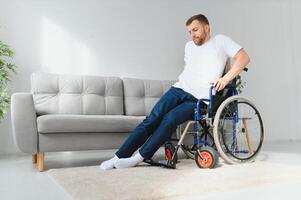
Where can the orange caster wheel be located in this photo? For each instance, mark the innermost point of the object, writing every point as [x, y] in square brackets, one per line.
[206, 157]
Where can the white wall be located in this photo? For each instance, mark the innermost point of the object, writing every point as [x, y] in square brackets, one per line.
[145, 39]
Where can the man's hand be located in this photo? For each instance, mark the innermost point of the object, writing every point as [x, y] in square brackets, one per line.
[220, 83]
[241, 60]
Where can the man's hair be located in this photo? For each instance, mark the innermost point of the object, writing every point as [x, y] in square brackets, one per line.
[201, 18]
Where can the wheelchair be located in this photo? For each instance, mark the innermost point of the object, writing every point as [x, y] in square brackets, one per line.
[228, 125]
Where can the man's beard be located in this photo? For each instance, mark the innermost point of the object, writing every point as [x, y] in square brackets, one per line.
[200, 40]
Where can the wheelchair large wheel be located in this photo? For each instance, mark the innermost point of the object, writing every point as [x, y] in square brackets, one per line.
[238, 130]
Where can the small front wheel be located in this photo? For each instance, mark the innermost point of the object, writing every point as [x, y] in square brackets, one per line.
[206, 157]
[169, 151]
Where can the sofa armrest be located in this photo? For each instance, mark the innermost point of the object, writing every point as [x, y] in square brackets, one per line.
[24, 122]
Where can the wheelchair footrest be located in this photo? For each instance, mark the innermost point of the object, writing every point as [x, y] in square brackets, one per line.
[161, 163]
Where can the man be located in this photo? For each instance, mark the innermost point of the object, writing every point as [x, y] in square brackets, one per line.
[205, 59]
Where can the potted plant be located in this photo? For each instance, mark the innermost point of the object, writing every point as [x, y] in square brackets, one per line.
[7, 69]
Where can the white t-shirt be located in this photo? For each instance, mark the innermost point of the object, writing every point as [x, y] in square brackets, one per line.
[205, 64]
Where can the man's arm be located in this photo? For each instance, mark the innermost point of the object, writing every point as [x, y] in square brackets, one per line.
[241, 59]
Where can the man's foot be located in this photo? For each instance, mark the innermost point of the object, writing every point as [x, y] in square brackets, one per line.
[108, 164]
[128, 162]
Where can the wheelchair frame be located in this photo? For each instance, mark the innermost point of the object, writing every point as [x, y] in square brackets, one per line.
[171, 162]
[206, 122]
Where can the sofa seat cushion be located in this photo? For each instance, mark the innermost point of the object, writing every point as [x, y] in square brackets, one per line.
[58, 123]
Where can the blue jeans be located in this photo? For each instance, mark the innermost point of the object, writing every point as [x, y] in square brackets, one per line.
[174, 107]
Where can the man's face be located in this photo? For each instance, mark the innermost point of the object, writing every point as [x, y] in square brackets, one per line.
[198, 32]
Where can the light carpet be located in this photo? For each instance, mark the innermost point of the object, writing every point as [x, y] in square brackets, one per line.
[146, 182]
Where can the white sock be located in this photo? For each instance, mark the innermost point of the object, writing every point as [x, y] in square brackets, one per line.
[108, 164]
[128, 162]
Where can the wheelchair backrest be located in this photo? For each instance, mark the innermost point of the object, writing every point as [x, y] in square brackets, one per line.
[219, 97]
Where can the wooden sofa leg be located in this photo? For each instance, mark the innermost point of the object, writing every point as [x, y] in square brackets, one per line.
[40, 161]
[34, 158]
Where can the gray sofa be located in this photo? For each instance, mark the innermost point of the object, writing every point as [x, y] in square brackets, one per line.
[73, 113]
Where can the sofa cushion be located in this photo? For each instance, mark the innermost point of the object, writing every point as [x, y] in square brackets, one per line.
[60, 123]
[76, 94]
[140, 95]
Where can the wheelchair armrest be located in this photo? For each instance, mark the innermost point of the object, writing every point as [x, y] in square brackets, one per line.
[231, 85]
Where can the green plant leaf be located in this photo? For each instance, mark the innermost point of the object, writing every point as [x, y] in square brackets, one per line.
[7, 69]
